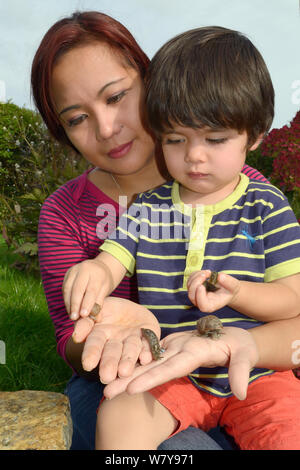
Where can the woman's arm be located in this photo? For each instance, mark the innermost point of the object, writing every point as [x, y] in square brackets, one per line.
[278, 344]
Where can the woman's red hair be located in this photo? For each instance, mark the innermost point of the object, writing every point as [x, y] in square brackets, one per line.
[79, 29]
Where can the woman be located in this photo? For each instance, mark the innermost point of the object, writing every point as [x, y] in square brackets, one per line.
[87, 82]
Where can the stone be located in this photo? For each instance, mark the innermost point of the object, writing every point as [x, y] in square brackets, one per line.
[34, 420]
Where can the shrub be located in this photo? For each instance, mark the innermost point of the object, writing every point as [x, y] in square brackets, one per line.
[278, 158]
[32, 166]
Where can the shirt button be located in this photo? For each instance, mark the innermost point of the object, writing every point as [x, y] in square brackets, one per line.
[194, 260]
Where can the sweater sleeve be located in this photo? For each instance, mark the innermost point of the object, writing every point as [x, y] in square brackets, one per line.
[59, 249]
[254, 174]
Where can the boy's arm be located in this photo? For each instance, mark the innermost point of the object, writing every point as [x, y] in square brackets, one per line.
[90, 282]
[276, 300]
[269, 301]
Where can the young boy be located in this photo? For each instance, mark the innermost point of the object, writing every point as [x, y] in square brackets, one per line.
[209, 99]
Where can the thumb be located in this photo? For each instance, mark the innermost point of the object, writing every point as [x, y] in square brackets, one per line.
[238, 374]
[82, 329]
[228, 282]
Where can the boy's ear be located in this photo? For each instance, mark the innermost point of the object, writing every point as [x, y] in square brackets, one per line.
[257, 142]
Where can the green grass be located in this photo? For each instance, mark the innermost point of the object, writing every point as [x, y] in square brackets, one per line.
[31, 360]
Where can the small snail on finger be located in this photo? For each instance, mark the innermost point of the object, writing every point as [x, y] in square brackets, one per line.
[210, 283]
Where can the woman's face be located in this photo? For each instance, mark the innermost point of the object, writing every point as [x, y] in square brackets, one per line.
[99, 100]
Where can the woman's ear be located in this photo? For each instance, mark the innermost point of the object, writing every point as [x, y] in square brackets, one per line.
[257, 142]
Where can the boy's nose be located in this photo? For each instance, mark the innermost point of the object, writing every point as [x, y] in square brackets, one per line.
[195, 154]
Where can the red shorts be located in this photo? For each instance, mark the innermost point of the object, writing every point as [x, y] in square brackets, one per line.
[268, 419]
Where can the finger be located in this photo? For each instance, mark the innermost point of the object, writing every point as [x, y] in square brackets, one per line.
[238, 374]
[93, 348]
[92, 296]
[81, 330]
[228, 282]
[110, 359]
[145, 356]
[132, 346]
[77, 292]
[67, 289]
[201, 299]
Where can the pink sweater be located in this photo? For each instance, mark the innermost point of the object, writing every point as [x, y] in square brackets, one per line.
[70, 231]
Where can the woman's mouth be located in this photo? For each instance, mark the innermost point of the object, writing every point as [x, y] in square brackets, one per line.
[121, 151]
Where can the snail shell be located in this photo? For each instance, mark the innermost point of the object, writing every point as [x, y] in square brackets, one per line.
[210, 326]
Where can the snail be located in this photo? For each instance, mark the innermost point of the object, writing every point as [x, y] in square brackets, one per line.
[210, 326]
[210, 283]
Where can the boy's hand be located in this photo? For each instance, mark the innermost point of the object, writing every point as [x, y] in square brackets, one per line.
[85, 284]
[228, 288]
[114, 339]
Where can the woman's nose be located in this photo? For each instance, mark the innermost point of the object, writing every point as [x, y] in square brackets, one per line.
[106, 126]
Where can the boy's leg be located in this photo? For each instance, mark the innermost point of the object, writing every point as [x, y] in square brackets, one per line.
[133, 422]
[269, 418]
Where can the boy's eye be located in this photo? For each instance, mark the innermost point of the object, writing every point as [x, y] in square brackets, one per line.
[216, 141]
[169, 141]
[116, 98]
[75, 121]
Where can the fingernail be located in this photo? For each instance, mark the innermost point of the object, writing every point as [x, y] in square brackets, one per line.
[84, 312]
[74, 316]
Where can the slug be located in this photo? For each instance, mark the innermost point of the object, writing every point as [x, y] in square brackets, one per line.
[152, 339]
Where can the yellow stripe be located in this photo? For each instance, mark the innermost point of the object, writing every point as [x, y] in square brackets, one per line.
[164, 224]
[284, 245]
[236, 222]
[246, 273]
[193, 323]
[273, 214]
[268, 191]
[279, 229]
[158, 196]
[169, 307]
[251, 204]
[236, 253]
[147, 255]
[128, 234]
[158, 273]
[161, 289]
[164, 240]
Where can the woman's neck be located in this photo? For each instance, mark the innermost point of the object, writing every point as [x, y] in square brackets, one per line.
[116, 185]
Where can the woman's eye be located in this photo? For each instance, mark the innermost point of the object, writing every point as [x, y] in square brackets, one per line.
[216, 141]
[75, 121]
[116, 98]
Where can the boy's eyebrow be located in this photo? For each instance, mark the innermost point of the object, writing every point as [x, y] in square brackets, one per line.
[77, 106]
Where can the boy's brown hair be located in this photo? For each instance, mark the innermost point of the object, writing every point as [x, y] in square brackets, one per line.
[210, 76]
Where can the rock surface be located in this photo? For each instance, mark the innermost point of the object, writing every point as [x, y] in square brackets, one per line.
[33, 420]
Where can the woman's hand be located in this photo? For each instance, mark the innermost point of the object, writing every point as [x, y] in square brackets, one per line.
[185, 351]
[227, 289]
[114, 338]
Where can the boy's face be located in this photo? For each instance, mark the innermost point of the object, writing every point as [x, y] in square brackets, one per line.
[206, 162]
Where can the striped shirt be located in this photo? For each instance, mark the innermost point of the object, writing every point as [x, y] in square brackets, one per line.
[252, 235]
[73, 223]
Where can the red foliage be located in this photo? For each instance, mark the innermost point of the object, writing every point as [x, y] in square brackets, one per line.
[283, 145]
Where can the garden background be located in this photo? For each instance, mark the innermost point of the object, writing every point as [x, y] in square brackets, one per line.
[32, 166]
